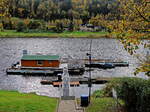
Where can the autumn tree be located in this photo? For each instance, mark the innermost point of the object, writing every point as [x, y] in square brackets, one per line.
[46, 10]
[3, 11]
[133, 24]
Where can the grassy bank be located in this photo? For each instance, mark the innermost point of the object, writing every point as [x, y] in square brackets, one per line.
[16, 102]
[99, 103]
[75, 34]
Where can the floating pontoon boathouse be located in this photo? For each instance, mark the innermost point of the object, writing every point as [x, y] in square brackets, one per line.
[40, 61]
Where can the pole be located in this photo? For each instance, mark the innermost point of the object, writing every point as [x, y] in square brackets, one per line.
[90, 84]
[89, 79]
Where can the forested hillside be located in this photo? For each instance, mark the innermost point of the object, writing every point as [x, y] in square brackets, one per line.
[59, 15]
[61, 9]
[69, 14]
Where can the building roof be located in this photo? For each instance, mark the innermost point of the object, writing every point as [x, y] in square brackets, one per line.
[40, 57]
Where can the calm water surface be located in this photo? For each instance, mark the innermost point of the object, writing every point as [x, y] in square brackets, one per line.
[11, 52]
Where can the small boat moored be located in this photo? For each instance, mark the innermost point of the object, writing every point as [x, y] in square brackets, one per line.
[101, 65]
[107, 65]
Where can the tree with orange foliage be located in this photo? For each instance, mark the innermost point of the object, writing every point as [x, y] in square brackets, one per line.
[134, 24]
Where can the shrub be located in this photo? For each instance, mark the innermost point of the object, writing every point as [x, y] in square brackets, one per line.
[7, 24]
[59, 27]
[98, 94]
[34, 24]
[26, 21]
[1, 26]
[21, 26]
[15, 22]
[51, 28]
[134, 91]
[71, 26]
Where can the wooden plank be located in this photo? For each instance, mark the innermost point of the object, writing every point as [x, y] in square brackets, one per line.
[71, 83]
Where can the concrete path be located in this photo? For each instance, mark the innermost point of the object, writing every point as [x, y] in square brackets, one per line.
[67, 106]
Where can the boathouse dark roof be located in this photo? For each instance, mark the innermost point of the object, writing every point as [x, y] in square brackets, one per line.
[40, 57]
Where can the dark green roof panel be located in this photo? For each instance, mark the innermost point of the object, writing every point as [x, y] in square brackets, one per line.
[40, 57]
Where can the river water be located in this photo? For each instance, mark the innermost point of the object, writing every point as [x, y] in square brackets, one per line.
[11, 52]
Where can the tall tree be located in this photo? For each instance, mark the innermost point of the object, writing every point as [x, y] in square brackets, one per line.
[4, 11]
[47, 10]
[133, 25]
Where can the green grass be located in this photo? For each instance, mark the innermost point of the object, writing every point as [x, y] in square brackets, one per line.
[75, 34]
[99, 103]
[84, 34]
[11, 101]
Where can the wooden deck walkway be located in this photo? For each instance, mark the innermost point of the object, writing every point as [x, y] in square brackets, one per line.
[68, 106]
[57, 84]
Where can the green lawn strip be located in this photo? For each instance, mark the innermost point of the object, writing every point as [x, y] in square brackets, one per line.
[13, 33]
[65, 34]
[11, 101]
[75, 34]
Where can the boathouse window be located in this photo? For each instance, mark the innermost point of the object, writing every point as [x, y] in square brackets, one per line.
[50, 62]
[40, 62]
